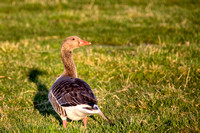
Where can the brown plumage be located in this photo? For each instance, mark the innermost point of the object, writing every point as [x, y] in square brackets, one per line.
[70, 96]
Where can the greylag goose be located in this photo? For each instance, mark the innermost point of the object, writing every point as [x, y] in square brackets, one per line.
[70, 96]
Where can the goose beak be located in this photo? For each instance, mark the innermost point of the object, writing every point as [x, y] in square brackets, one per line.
[84, 43]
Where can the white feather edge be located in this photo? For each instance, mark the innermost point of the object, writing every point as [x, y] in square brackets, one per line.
[79, 112]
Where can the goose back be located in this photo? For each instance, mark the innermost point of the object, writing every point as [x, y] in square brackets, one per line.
[69, 91]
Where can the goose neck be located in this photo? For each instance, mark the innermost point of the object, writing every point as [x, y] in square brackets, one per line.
[69, 65]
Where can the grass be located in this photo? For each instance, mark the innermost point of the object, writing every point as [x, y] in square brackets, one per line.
[143, 66]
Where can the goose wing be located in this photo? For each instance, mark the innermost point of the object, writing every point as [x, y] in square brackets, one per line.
[70, 91]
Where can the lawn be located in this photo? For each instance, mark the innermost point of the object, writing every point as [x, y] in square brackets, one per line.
[143, 64]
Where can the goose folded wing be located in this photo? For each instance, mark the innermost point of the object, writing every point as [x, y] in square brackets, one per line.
[74, 92]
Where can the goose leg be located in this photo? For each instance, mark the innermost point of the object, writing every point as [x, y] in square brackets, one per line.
[85, 121]
[64, 123]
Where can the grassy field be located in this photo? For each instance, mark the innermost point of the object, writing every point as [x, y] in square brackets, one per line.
[143, 64]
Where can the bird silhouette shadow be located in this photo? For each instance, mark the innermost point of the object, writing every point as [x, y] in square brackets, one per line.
[41, 102]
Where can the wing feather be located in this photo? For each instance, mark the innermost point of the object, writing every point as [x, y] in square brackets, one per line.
[70, 91]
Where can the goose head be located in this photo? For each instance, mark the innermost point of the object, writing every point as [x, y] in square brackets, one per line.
[73, 42]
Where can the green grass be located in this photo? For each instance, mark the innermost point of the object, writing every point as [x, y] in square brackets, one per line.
[143, 66]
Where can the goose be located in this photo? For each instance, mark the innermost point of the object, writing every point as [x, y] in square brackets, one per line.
[70, 96]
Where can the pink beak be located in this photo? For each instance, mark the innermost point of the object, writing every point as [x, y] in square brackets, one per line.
[84, 43]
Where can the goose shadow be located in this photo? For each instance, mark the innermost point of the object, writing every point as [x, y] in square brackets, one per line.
[41, 102]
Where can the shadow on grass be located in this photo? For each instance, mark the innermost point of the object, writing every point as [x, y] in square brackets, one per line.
[41, 102]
